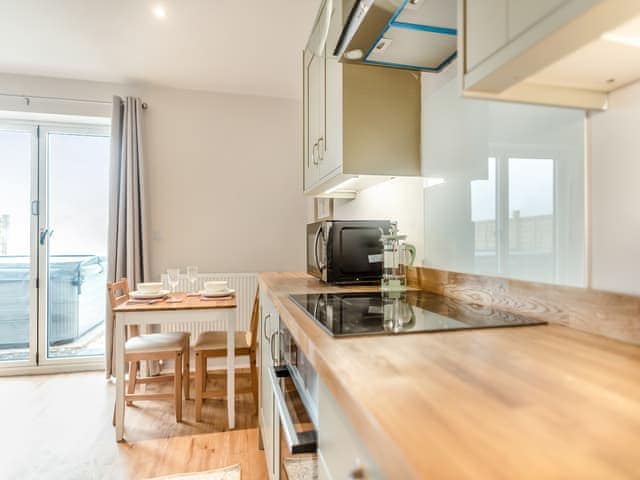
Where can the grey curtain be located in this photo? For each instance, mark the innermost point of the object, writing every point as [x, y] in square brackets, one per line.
[128, 245]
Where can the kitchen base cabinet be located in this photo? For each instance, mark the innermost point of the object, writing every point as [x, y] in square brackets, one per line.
[341, 453]
[267, 411]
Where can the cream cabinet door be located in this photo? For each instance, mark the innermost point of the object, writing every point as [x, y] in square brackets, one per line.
[269, 421]
[266, 393]
[313, 103]
[341, 453]
[331, 159]
[523, 14]
[331, 155]
[485, 29]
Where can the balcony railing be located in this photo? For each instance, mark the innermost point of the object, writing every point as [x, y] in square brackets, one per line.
[76, 302]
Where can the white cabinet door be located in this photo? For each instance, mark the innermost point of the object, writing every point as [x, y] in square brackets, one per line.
[485, 29]
[266, 393]
[311, 66]
[269, 420]
[321, 157]
[341, 453]
[318, 85]
[331, 159]
[331, 155]
[526, 13]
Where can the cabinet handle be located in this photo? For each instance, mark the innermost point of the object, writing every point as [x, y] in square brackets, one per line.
[271, 344]
[264, 326]
[321, 149]
[314, 153]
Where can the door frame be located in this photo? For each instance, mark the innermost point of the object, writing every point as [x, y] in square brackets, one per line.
[43, 248]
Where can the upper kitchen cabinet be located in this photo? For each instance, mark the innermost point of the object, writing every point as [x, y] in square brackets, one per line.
[361, 123]
[569, 53]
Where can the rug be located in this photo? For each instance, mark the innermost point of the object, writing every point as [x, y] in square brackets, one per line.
[226, 473]
[305, 468]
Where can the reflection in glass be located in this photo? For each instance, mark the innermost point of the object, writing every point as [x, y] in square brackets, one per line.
[531, 218]
[511, 197]
[483, 216]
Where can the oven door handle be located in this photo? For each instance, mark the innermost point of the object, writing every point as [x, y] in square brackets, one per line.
[298, 442]
[272, 344]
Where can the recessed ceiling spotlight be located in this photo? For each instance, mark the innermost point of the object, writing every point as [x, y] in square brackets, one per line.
[159, 12]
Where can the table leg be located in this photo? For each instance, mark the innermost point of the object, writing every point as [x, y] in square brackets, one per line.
[231, 355]
[119, 339]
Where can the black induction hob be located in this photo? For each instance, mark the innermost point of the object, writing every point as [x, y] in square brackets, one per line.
[370, 313]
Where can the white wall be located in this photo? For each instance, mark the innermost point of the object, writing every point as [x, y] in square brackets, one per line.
[397, 199]
[223, 171]
[224, 176]
[615, 193]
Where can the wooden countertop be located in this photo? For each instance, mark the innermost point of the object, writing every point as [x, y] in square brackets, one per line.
[533, 402]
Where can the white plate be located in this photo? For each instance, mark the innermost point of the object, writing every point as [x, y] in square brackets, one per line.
[148, 296]
[221, 293]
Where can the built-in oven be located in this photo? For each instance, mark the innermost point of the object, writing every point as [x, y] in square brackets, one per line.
[295, 386]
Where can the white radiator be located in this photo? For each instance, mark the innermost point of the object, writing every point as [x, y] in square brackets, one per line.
[245, 285]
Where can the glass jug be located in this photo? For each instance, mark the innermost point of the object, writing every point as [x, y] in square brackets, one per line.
[397, 257]
[398, 314]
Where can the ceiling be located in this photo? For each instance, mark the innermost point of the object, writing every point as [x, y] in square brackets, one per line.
[250, 46]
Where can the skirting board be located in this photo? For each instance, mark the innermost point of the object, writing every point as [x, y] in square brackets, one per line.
[609, 314]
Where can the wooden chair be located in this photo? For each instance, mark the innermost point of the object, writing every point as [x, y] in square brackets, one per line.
[154, 346]
[214, 344]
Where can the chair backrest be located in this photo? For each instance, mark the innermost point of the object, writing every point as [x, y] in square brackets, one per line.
[255, 318]
[118, 292]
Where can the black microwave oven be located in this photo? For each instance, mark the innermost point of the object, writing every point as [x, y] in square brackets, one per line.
[346, 251]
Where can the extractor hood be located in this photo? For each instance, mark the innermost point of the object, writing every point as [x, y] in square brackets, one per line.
[407, 34]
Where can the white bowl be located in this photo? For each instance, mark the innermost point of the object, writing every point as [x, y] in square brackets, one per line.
[214, 286]
[149, 287]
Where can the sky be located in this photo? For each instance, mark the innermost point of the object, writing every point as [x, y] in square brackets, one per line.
[78, 186]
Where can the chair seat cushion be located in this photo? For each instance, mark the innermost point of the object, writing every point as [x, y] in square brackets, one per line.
[218, 340]
[156, 342]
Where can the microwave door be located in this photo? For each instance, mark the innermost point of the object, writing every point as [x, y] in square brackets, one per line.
[359, 251]
[316, 250]
[297, 427]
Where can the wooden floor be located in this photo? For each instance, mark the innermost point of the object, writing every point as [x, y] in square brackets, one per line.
[59, 427]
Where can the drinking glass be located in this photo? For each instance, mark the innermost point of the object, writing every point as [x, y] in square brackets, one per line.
[192, 275]
[173, 277]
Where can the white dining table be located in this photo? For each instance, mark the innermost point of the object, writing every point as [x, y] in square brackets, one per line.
[188, 310]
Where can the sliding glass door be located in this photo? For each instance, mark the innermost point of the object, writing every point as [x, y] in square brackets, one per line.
[73, 246]
[54, 287]
[18, 192]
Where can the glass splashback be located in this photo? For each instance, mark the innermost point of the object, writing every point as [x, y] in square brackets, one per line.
[504, 193]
